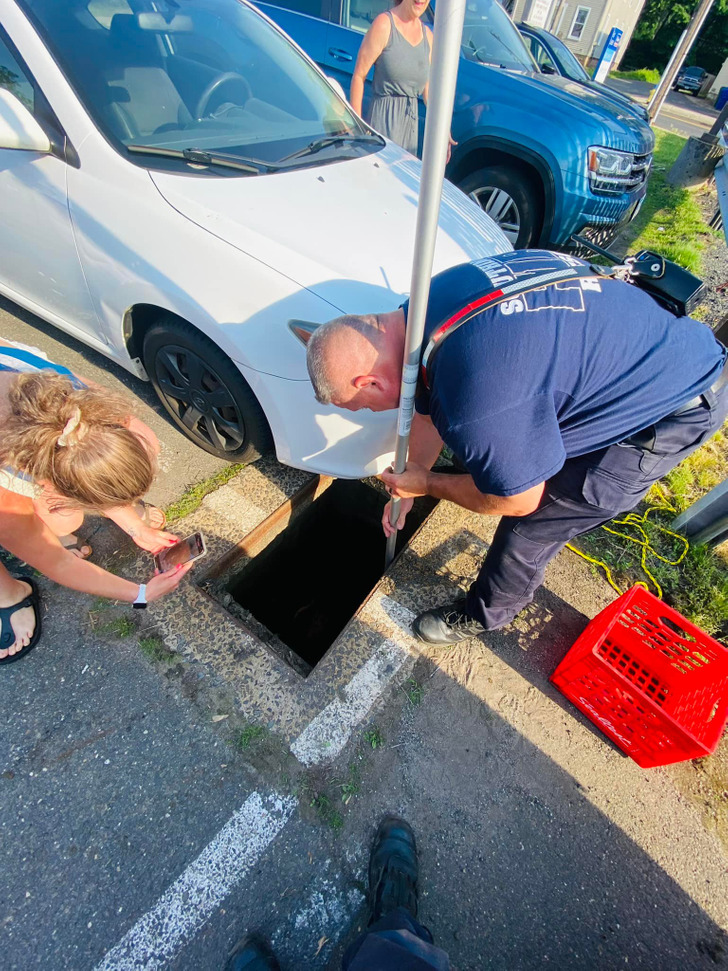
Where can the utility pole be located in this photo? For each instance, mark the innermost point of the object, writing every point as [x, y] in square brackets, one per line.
[678, 56]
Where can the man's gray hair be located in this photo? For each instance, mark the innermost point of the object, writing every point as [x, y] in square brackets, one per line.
[319, 370]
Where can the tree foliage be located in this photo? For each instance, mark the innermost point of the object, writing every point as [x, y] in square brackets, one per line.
[658, 31]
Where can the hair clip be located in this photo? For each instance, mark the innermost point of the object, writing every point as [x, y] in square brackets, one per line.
[73, 423]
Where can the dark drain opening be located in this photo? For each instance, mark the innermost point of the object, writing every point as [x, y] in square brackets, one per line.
[310, 580]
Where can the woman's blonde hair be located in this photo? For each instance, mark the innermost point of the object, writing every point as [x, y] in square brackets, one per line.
[75, 439]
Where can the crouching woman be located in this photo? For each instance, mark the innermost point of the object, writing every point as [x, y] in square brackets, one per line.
[68, 447]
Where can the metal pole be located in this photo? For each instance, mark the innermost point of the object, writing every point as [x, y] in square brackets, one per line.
[447, 31]
[668, 68]
[679, 56]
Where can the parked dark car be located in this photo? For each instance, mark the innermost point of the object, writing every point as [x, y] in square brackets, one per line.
[690, 79]
[554, 57]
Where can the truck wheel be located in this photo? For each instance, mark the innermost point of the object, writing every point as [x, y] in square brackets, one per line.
[509, 199]
[204, 393]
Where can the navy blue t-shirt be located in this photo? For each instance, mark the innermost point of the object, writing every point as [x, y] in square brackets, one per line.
[555, 373]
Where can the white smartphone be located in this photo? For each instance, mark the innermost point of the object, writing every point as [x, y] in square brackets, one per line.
[191, 548]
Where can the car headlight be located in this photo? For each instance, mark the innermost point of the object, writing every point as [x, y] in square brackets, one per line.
[614, 172]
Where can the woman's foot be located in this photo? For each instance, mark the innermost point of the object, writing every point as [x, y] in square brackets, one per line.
[22, 622]
[150, 515]
[74, 545]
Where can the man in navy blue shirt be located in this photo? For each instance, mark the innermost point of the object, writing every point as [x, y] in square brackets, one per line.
[564, 404]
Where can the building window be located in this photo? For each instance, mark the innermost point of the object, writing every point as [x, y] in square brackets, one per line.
[579, 23]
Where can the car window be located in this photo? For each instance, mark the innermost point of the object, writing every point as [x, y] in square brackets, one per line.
[14, 79]
[490, 37]
[541, 55]
[361, 14]
[314, 8]
[212, 75]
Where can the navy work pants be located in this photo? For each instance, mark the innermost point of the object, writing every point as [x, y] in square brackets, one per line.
[397, 942]
[588, 491]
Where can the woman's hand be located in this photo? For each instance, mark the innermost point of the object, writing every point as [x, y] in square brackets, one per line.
[404, 507]
[450, 144]
[151, 540]
[164, 583]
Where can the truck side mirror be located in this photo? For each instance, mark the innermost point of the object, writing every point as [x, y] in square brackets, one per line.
[18, 128]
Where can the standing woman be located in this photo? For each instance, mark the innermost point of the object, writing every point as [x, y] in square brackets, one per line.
[399, 46]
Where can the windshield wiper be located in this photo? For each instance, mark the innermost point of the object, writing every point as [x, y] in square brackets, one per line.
[198, 156]
[321, 143]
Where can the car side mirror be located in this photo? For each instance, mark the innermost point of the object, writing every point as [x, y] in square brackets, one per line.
[18, 128]
[547, 69]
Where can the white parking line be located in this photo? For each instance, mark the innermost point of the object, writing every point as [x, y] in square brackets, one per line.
[325, 736]
[183, 909]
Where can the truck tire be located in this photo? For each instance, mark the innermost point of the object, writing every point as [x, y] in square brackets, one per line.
[509, 198]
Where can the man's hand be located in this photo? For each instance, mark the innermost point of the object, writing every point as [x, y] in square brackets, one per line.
[408, 484]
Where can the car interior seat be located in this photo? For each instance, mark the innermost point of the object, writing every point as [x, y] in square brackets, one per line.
[143, 99]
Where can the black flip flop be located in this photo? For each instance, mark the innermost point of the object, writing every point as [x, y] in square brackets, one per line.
[7, 634]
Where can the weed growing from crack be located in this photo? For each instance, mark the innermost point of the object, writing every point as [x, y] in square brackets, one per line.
[413, 690]
[153, 648]
[247, 736]
[373, 737]
[190, 500]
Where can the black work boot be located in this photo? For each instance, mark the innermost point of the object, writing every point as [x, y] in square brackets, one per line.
[393, 868]
[252, 954]
[447, 624]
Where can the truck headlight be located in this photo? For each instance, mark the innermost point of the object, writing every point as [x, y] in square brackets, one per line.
[615, 172]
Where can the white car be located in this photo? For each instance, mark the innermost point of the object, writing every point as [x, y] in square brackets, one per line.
[178, 183]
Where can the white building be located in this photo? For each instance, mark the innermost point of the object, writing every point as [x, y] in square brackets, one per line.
[583, 25]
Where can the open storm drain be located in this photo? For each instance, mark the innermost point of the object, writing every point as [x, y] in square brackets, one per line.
[310, 580]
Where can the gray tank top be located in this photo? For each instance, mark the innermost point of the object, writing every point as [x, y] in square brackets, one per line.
[401, 69]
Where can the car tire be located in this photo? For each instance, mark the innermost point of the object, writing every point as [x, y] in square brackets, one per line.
[204, 393]
[509, 198]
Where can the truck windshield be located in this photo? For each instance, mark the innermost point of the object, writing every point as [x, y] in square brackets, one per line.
[490, 37]
[208, 75]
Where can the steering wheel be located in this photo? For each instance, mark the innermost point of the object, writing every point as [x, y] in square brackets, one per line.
[227, 77]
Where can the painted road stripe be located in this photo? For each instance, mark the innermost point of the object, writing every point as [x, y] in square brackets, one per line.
[325, 737]
[180, 912]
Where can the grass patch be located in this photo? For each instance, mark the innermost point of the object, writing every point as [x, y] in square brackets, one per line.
[118, 627]
[190, 500]
[153, 648]
[670, 221]
[248, 736]
[648, 74]
[697, 586]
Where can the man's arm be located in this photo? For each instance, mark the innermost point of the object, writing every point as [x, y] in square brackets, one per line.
[417, 480]
[425, 443]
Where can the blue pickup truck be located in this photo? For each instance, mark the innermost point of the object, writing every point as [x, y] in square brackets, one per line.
[544, 156]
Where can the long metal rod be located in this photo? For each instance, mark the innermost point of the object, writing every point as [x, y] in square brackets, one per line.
[447, 31]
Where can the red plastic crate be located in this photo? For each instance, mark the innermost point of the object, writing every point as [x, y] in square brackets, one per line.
[650, 680]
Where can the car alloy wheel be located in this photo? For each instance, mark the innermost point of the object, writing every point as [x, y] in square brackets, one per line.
[501, 208]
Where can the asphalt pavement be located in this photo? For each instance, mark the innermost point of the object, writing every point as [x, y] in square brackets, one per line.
[681, 113]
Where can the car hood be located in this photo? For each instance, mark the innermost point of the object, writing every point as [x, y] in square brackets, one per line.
[622, 100]
[566, 105]
[342, 231]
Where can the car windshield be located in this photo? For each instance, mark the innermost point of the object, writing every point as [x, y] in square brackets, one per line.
[490, 37]
[694, 72]
[208, 75]
[572, 68]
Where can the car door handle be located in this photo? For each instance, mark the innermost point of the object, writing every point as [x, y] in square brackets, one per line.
[340, 55]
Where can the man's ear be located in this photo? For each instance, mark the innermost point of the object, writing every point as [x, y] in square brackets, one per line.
[365, 381]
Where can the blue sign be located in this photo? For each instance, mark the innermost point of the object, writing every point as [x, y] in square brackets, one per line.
[608, 54]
